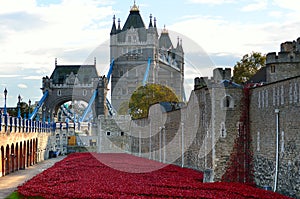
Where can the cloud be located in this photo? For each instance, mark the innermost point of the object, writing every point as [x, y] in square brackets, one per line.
[11, 21]
[276, 14]
[33, 77]
[290, 9]
[22, 86]
[215, 2]
[9, 76]
[235, 37]
[257, 5]
[32, 36]
[186, 17]
[16, 6]
[290, 4]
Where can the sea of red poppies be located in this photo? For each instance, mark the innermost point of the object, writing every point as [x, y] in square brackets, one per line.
[91, 175]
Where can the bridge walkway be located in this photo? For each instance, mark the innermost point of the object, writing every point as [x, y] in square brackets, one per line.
[10, 182]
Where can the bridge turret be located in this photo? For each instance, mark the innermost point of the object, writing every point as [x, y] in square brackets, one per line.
[46, 83]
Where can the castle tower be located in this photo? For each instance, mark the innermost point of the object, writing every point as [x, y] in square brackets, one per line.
[131, 46]
[284, 64]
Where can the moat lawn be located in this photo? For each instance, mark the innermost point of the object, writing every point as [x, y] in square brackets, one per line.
[92, 175]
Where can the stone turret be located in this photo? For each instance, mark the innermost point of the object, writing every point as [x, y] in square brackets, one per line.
[290, 46]
[220, 74]
[284, 64]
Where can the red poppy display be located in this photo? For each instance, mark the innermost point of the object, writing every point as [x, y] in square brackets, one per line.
[84, 175]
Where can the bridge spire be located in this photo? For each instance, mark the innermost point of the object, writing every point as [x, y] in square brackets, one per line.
[55, 61]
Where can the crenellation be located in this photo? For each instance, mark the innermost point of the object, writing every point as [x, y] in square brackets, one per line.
[220, 74]
[200, 82]
[288, 46]
[298, 45]
[282, 57]
[271, 57]
[284, 64]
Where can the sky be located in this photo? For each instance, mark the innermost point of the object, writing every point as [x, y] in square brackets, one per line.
[34, 32]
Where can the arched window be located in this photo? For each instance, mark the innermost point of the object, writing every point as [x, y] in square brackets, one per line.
[227, 102]
[84, 92]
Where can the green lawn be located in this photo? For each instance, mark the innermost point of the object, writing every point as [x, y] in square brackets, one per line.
[16, 195]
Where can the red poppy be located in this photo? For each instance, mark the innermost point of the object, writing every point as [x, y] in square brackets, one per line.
[84, 175]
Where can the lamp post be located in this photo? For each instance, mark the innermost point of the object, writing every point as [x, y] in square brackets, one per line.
[5, 94]
[19, 106]
[5, 111]
[29, 104]
[164, 143]
[160, 129]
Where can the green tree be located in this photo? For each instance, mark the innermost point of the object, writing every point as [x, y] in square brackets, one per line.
[145, 96]
[24, 108]
[248, 66]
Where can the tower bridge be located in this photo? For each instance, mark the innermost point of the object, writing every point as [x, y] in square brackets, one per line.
[206, 134]
[26, 141]
[131, 46]
[139, 56]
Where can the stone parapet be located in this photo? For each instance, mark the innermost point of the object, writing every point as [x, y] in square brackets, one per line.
[282, 57]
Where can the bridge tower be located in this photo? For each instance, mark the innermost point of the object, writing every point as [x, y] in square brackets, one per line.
[131, 47]
[74, 82]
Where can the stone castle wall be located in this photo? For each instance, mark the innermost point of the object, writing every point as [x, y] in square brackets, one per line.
[188, 137]
[202, 135]
[225, 123]
[285, 97]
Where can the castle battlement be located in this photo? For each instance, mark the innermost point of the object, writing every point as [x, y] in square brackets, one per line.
[289, 52]
[283, 57]
[290, 46]
[200, 82]
[219, 74]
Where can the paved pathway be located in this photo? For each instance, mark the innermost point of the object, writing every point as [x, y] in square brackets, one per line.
[10, 182]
